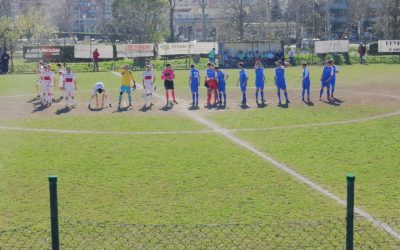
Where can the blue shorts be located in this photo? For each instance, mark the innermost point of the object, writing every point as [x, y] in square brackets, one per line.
[260, 85]
[281, 85]
[306, 84]
[333, 82]
[221, 87]
[126, 89]
[325, 84]
[243, 87]
[194, 87]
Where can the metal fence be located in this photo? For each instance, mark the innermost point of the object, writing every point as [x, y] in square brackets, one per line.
[325, 234]
[348, 232]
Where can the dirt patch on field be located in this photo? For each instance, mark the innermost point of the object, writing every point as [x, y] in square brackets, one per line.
[26, 107]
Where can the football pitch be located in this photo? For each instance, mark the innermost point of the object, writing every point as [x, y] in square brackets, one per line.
[212, 166]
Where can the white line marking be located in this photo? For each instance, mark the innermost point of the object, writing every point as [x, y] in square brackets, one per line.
[286, 169]
[371, 118]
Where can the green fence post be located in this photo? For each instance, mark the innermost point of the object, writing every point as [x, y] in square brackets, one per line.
[350, 212]
[55, 241]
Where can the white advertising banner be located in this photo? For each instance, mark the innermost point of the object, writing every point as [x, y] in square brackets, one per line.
[135, 50]
[333, 46]
[86, 51]
[388, 46]
[190, 48]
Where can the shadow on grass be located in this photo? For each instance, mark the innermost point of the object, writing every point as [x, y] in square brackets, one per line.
[145, 108]
[167, 108]
[124, 109]
[63, 111]
[262, 105]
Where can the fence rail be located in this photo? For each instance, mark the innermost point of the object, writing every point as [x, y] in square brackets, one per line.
[322, 234]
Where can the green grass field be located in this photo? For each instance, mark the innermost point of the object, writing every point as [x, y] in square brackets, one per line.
[201, 177]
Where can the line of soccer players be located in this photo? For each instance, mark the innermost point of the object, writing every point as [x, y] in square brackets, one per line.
[215, 82]
[46, 78]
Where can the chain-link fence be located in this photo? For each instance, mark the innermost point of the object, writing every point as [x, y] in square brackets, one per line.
[322, 234]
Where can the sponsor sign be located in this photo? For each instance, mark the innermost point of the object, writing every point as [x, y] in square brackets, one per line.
[42, 52]
[333, 46]
[189, 48]
[389, 46]
[135, 50]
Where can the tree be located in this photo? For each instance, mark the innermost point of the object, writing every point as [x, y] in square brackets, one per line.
[137, 20]
[261, 14]
[172, 6]
[238, 13]
[203, 5]
[5, 7]
[35, 24]
[391, 10]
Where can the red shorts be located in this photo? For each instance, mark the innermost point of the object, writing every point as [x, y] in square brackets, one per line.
[212, 84]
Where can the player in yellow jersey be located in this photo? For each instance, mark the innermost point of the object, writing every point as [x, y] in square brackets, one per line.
[127, 83]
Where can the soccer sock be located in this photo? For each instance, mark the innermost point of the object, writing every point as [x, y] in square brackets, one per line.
[244, 97]
[308, 93]
[327, 92]
[279, 96]
[224, 96]
[257, 95]
[173, 95]
[197, 98]
[220, 96]
[286, 95]
[262, 95]
[302, 94]
[321, 92]
[333, 91]
[193, 97]
[119, 98]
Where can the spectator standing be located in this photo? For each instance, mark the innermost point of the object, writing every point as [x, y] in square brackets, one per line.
[95, 58]
[362, 51]
[5, 58]
[291, 56]
[212, 56]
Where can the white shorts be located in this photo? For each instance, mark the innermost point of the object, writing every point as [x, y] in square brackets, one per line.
[149, 87]
[69, 89]
[47, 87]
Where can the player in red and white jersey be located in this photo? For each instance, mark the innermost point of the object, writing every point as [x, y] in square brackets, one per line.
[148, 85]
[47, 79]
[69, 86]
[61, 72]
[99, 89]
[39, 71]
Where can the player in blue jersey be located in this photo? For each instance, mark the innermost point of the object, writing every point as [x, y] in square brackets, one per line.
[280, 81]
[306, 82]
[221, 79]
[335, 71]
[260, 81]
[243, 78]
[194, 82]
[326, 78]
